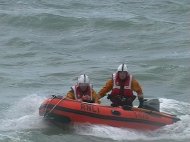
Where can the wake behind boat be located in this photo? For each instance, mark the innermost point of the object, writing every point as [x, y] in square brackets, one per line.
[59, 110]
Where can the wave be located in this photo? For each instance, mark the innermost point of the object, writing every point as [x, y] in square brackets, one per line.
[177, 131]
[23, 116]
[43, 21]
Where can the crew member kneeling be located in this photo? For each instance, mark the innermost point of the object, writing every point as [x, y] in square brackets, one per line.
[122, 86]
[83, 91]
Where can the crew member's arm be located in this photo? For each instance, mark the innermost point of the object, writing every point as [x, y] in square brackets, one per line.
[137, 88]
[108, 86]
[70, 95]
[95, 97]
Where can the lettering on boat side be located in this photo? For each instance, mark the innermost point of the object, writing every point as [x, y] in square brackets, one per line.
[140, 115]
[89, 108]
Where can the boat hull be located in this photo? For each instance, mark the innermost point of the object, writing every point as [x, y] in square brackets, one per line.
[70, 111]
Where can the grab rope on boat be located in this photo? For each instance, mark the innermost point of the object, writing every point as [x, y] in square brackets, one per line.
[48, 112]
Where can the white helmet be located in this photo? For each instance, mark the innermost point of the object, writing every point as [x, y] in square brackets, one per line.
[122, 67]
[83, 79]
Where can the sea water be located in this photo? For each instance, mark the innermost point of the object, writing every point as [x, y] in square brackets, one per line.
[45, 45]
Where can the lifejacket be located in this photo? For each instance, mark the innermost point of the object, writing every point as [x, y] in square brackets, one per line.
[124, 91]
[80, 95]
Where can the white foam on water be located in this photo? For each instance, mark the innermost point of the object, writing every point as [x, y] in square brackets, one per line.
[23, 115]
[177, 131]
[109, 132]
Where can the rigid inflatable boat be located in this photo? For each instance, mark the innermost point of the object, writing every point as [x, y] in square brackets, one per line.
[60, 110]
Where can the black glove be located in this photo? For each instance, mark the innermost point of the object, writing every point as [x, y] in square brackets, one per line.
[141, 102]
[108, 96]
[53, 96]
[127, 107]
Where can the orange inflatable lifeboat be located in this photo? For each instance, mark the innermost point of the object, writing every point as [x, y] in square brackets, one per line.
[60, 110]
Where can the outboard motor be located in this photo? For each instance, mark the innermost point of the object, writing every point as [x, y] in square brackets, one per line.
[152, 104]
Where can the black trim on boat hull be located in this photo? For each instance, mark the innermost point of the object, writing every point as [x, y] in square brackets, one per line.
[99, 116]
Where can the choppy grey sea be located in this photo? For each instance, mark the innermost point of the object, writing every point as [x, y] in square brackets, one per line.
[45, 45]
